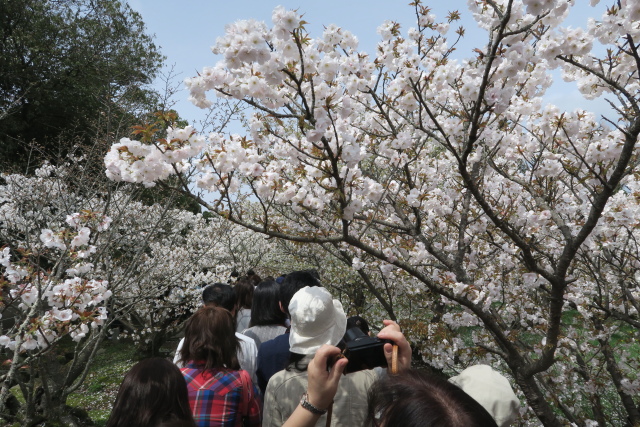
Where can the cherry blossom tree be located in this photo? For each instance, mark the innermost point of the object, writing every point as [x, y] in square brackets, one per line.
[51, 300]
[75, 256]
[511, 223]
[190, 253]
[66, 277]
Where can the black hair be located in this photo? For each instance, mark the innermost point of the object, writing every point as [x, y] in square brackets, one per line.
[295, 281]
[220, 295]
[243, 291]
[152, 392]
[265, 309]
[418, 399]
[358, 322]
[295, 362]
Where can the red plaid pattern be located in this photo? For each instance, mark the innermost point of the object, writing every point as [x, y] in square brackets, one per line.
[216, 398]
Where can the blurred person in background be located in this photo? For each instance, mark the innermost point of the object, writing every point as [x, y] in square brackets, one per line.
[358, 322]
[267, 320]
[243, 290]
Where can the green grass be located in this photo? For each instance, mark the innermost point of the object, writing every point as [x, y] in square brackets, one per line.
[98, 392]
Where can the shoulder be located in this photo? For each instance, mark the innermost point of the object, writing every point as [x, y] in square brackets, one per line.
[244, 338]
[279, 342]
[287, 379]
[364, 378]
[247, 343]
[220, 382]
[251, 334]
[189, 373]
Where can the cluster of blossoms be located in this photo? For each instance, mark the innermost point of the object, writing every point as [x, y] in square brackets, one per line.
[56, 305]
[150, 162]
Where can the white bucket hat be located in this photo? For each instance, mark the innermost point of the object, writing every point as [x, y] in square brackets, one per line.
[316, 319]
[492, 390]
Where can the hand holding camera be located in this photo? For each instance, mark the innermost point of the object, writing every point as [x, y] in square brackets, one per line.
[391, 332]
[362, 351]
[365, 352]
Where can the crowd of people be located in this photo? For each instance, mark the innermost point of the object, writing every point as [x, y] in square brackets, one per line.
[272, 352]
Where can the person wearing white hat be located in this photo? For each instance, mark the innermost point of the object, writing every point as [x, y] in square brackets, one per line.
[316, 319]
[492, 390]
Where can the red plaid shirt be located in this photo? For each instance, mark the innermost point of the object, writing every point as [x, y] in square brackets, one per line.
[216, 398]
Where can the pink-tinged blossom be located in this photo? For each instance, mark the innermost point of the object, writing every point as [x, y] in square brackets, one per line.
[46, 338]
[62, 315]
[15, 273]
[29, 343]
[82, 238]
[79, 333]
[73, 220]
[29, 294]
[87, 252]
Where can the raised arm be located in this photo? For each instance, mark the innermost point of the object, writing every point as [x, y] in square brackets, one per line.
[321, 388]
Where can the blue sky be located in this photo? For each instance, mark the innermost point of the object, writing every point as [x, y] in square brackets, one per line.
[186, 30]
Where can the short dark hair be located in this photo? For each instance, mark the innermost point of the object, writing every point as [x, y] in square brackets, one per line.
[415, 398]
[210, 340]
[253, 278]
[244, 293]
[219, 295]
[295, 281]
[265, 309]
[152, 392]
[358, 322]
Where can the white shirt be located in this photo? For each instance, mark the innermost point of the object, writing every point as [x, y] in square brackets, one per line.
[243, 318]
[247, 355]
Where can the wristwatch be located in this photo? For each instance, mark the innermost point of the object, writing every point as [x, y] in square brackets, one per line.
[304, 402]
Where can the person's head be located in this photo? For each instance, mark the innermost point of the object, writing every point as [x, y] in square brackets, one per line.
[415, 398]
[219, 295]
[253, 278]
[358, 322]
[295, 281]
[316, 319]
[265, 309]
[244, 293]
[210, 340]
[152, 392]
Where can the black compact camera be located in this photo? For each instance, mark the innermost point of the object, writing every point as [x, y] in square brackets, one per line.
[362, 351]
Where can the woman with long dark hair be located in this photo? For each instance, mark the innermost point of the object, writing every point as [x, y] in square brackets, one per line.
[220, 393]
[267, 319]
[244, 289]
[153, 392]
